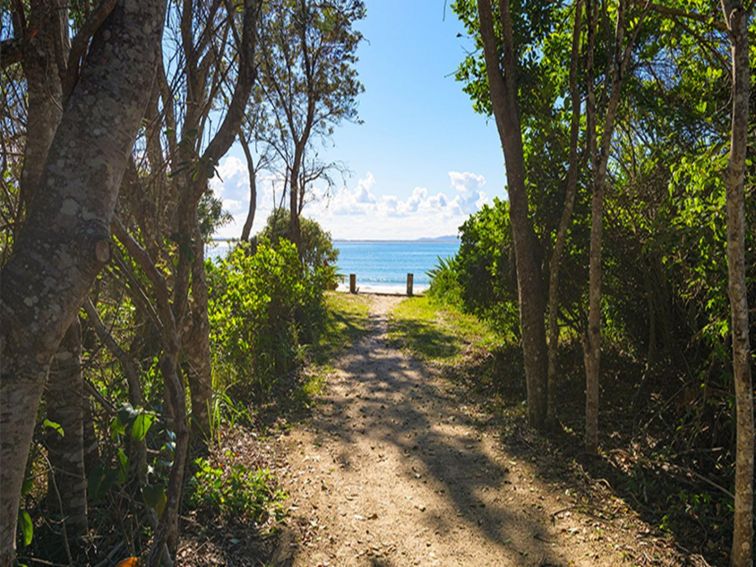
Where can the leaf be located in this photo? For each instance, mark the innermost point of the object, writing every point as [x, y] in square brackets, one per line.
[55, 426]
[117, 428]
[27, 527]
[142, 425]
[123, 466]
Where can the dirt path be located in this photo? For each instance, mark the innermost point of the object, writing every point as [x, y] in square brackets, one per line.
[395, 469]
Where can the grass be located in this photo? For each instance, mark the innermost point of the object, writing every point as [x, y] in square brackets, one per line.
[438, 333]
[346, 321]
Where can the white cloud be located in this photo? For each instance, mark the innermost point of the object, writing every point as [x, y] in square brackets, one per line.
[360, 210]
[364, 195]
[232, 180]
[464, 181]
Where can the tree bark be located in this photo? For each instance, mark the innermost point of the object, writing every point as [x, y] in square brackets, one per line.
[294, 228]
[252, 172]
[43, 53]
[736, 19]
[65, 240]
[168, 528]
[65, 405]
[530, 285]
[564, 222]
[600, 161]
[190, 276]
[197, 349]
[44, 89]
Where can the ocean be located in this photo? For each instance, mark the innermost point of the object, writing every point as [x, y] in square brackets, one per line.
[381, 265]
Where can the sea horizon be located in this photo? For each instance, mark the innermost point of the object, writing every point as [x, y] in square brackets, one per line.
[381, 265]
[445, 238]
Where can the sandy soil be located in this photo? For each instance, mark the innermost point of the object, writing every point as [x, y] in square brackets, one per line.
[396, 468]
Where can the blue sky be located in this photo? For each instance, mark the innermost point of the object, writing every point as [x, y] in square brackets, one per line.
[422, 160]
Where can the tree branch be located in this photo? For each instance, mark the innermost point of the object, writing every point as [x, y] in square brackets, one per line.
[677, 13]
[79, 45]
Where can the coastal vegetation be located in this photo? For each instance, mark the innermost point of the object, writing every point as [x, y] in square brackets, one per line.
[149, 348]
[601, 311]
[622, 252]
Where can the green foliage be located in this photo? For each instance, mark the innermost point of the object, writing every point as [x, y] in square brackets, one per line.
[134, 421]
[316, 245]
[445, 286]
[27, 527]
[235, 492]
[484, 268]
[532, 22]
[264, 305]
[438, 333]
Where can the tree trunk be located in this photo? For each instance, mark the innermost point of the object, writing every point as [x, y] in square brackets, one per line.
[67, 493]
[65, 239]
[64, 398]
[294, 228]
[196, 349]
[564, 222]
[736, 19]
[190, 275]
[530, 285]
[168, 528]
[593, 332]
[600, 161]
[591, 402]
[247, 229]
[44, 89]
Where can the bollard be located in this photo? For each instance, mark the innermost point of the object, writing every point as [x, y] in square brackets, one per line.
[352, 283]
[410, 281]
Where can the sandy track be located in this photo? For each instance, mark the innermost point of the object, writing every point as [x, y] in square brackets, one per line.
[396, 468]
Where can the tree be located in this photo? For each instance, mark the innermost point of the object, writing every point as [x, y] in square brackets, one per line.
[47, 73]
[307, 73]
[502, 72]
[570, 192]
[213, 53]
[620, 51]
[736, 20]
[316, 244]
[65, 240]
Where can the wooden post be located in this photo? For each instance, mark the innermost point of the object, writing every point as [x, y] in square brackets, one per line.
[410, 281]
[352, 283]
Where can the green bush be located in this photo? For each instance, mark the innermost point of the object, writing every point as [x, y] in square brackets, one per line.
[316, 247]
[445, 287]
[264, 305]
[235, 492]
[481, 277]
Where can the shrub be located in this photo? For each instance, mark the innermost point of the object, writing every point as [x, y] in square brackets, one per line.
[316, 247]
[235, 492]
[444, 287]
[263, 307]
[481, 277]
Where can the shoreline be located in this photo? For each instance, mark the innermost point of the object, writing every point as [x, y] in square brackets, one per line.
[383, 289]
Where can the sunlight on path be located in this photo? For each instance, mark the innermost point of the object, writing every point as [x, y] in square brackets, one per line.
[396, 470]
